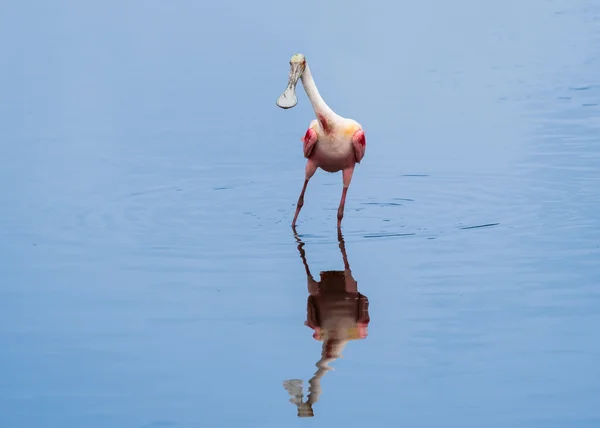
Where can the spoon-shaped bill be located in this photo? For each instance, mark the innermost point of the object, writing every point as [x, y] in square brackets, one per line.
[288, 99]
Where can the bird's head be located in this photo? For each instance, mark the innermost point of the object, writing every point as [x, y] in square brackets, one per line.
[297, 66]
[298, 59]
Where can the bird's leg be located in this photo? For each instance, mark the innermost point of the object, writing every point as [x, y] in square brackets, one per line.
[347, 175]
[311, 168]
[349, 281]
[313, 286]
[340, 213]
[342, 245]
[300, 203]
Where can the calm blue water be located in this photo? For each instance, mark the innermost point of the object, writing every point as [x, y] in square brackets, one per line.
[150, 277]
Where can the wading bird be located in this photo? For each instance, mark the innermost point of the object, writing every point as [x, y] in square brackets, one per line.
[332, 142]
[338, 313]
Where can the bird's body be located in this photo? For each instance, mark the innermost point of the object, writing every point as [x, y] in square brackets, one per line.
[334, 150]
[332, 142]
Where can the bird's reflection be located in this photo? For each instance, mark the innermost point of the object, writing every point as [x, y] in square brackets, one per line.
[337, 313]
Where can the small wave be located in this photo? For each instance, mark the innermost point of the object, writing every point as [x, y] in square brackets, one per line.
[479, 226]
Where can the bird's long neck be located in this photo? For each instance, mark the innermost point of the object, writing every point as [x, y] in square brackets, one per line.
[319, 105]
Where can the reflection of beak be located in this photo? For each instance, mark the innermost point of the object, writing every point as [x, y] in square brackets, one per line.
[288, 98]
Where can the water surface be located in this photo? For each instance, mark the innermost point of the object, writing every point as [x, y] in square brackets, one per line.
[150, 277]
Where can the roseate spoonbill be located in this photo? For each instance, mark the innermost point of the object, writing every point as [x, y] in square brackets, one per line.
[338, 313]
[332, 142]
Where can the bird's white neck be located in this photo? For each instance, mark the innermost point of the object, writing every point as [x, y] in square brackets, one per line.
[319, 105]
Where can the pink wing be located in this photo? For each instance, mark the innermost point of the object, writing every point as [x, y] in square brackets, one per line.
[309, 140]
[359, 142]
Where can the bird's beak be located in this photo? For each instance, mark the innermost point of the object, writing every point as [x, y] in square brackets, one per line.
[288, 98]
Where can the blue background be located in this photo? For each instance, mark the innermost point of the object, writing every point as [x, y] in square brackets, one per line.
[149, 275]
